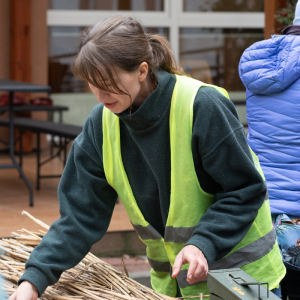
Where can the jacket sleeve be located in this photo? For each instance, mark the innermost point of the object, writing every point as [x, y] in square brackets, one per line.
[225, 168]
[86, 206]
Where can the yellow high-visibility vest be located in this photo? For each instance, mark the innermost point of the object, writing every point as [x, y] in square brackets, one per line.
[257, 254]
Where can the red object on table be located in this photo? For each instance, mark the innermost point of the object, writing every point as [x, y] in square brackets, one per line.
[18, 100]
[41, 101]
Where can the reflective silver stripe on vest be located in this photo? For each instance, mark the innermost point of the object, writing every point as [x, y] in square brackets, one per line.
[178, 234]
[160, 266]
[181, 279]
[239, 258]
[147, 233]
[247, 254]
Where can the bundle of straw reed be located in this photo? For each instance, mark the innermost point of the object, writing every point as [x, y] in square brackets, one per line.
[91, 279]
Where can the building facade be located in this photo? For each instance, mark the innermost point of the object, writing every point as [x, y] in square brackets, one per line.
[40, 38]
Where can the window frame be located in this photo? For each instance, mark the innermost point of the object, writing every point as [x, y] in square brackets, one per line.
[172, 17]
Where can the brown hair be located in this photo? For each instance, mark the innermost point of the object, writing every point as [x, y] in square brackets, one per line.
[120, 42]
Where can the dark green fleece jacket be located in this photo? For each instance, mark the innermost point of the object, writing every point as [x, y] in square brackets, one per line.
[223, 164]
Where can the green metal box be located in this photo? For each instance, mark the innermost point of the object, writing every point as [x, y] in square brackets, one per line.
[231, 284]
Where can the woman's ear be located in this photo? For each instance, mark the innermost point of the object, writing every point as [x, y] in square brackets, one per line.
[143, 71]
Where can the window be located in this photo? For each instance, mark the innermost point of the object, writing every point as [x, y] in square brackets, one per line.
[224, 5]
[212, 55]
[135, 5]
[208, 37]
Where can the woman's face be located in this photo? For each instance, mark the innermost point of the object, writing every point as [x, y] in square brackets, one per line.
[117, 103]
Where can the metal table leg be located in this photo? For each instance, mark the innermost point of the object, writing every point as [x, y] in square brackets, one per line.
[15, 165]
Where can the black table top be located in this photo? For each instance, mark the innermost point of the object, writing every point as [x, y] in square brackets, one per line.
[63, 130]
[18, 86]
[35, 108]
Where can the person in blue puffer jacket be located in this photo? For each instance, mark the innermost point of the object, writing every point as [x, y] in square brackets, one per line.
[270, 71]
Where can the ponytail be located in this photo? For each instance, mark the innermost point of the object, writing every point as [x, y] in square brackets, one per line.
[163, 57]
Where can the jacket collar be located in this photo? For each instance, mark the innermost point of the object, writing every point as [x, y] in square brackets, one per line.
[153, 109]
[292, 29]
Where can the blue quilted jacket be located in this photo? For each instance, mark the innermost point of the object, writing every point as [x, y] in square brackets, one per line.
[270, 71]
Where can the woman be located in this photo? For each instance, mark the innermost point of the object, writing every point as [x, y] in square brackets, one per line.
[270, 71]
[174, 153]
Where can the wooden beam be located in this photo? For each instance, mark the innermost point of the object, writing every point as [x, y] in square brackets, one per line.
[4, 39]
[39, 57]
[83, 4]
[150, 5]
[20, 21]
[271, 7]
[39, 44]
[20, 53]
[124, 4]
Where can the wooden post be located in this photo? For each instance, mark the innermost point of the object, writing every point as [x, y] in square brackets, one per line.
[271, 26]
[20, 60]
[20, 51]
[39, 58]
[150, 5]
[124, 5]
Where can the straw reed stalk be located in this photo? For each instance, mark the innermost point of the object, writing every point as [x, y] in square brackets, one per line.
[91, 279]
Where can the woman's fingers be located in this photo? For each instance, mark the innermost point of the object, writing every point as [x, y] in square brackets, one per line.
[197, 274]
[177, 264]
[192, 269]
[25, 291]
[198, 268]
[198, 265]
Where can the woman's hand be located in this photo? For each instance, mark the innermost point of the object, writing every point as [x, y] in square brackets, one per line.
[25, 291]
[198, 264]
